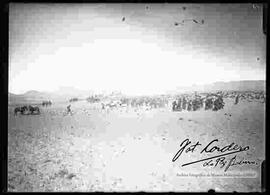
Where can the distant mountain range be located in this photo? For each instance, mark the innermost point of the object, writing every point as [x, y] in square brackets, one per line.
[66, 93]
[61, 95]
[248, 85]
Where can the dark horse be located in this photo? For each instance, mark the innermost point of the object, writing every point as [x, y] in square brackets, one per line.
[21, 109]
[34, 109]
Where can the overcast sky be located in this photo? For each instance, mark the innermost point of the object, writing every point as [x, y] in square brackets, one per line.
[92, 47]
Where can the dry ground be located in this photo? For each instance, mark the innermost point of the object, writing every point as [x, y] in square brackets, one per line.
[124, 150]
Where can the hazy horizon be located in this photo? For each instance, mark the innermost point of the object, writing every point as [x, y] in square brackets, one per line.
[133, 48]
[70, 89]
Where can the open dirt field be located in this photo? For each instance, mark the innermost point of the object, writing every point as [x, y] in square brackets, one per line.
[128, 150]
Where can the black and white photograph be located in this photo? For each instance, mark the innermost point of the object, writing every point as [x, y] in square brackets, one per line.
[136, 97]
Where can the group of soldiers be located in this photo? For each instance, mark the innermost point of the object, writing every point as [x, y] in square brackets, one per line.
[246, 95]
[47, 103]
[150, 102]
[93, 99]
[213, 102]
[135, 102]
[73, 100]
[153, 102]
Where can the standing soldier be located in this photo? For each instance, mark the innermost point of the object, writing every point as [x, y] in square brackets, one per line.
[179, 106]
[102, 106]
[200, 103]
[218, 104]
[184, 103]
[174, 105]
[264, 97]
[189, 107]
[195, 104]
[208, 103]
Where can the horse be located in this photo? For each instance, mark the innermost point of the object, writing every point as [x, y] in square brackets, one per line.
[112, 104]
[20, 109]
[34, 109]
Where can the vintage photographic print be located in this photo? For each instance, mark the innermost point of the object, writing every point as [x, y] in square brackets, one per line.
[133, 97]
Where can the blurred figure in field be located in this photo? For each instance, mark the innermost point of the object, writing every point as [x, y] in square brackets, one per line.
[184, 106]
[69, 110]
[208, 103]
[174, 105]
[179, 104]
[189, 105]
[218, 103]
[236, 99]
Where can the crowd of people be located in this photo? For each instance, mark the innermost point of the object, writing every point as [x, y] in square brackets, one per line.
[209, 102]
[188, 102]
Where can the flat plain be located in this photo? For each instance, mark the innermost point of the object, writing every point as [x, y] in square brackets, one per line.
[128, 149]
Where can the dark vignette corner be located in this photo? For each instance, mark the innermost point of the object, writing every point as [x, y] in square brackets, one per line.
[265, 169]
[4, 7]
